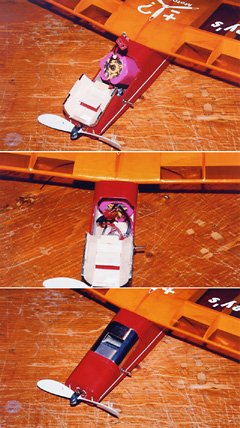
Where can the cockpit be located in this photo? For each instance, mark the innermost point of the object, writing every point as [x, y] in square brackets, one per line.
[115, 342]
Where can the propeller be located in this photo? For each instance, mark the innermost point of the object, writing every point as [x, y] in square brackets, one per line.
[62, 282]
[56, 122]
[58, 388]
[110, 142]
[61, 124]
[55, 387]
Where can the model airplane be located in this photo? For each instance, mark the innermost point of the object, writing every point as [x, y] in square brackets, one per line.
[198, 35]
[134, 332]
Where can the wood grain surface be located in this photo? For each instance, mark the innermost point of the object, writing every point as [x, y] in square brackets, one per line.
[45, 333]
[190, 239]
[43, 54]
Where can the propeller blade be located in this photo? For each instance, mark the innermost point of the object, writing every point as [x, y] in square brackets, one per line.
[56, 122]
[55, 387]
[102, 406]
[58, 388]
[61, 124]
[62, 282]
[106, 140]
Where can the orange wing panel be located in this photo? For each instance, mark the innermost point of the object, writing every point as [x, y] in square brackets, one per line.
[184, 168]
[208, 318]
[198, 34]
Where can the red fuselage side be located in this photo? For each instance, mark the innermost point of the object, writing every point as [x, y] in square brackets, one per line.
[111, 358]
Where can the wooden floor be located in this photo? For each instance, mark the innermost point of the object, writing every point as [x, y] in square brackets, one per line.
[190, 239]
[43, 54]
[45, 334]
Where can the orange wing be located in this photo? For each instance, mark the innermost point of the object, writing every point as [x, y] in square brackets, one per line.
[208, 318]
[199, 34]
[164, 168]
